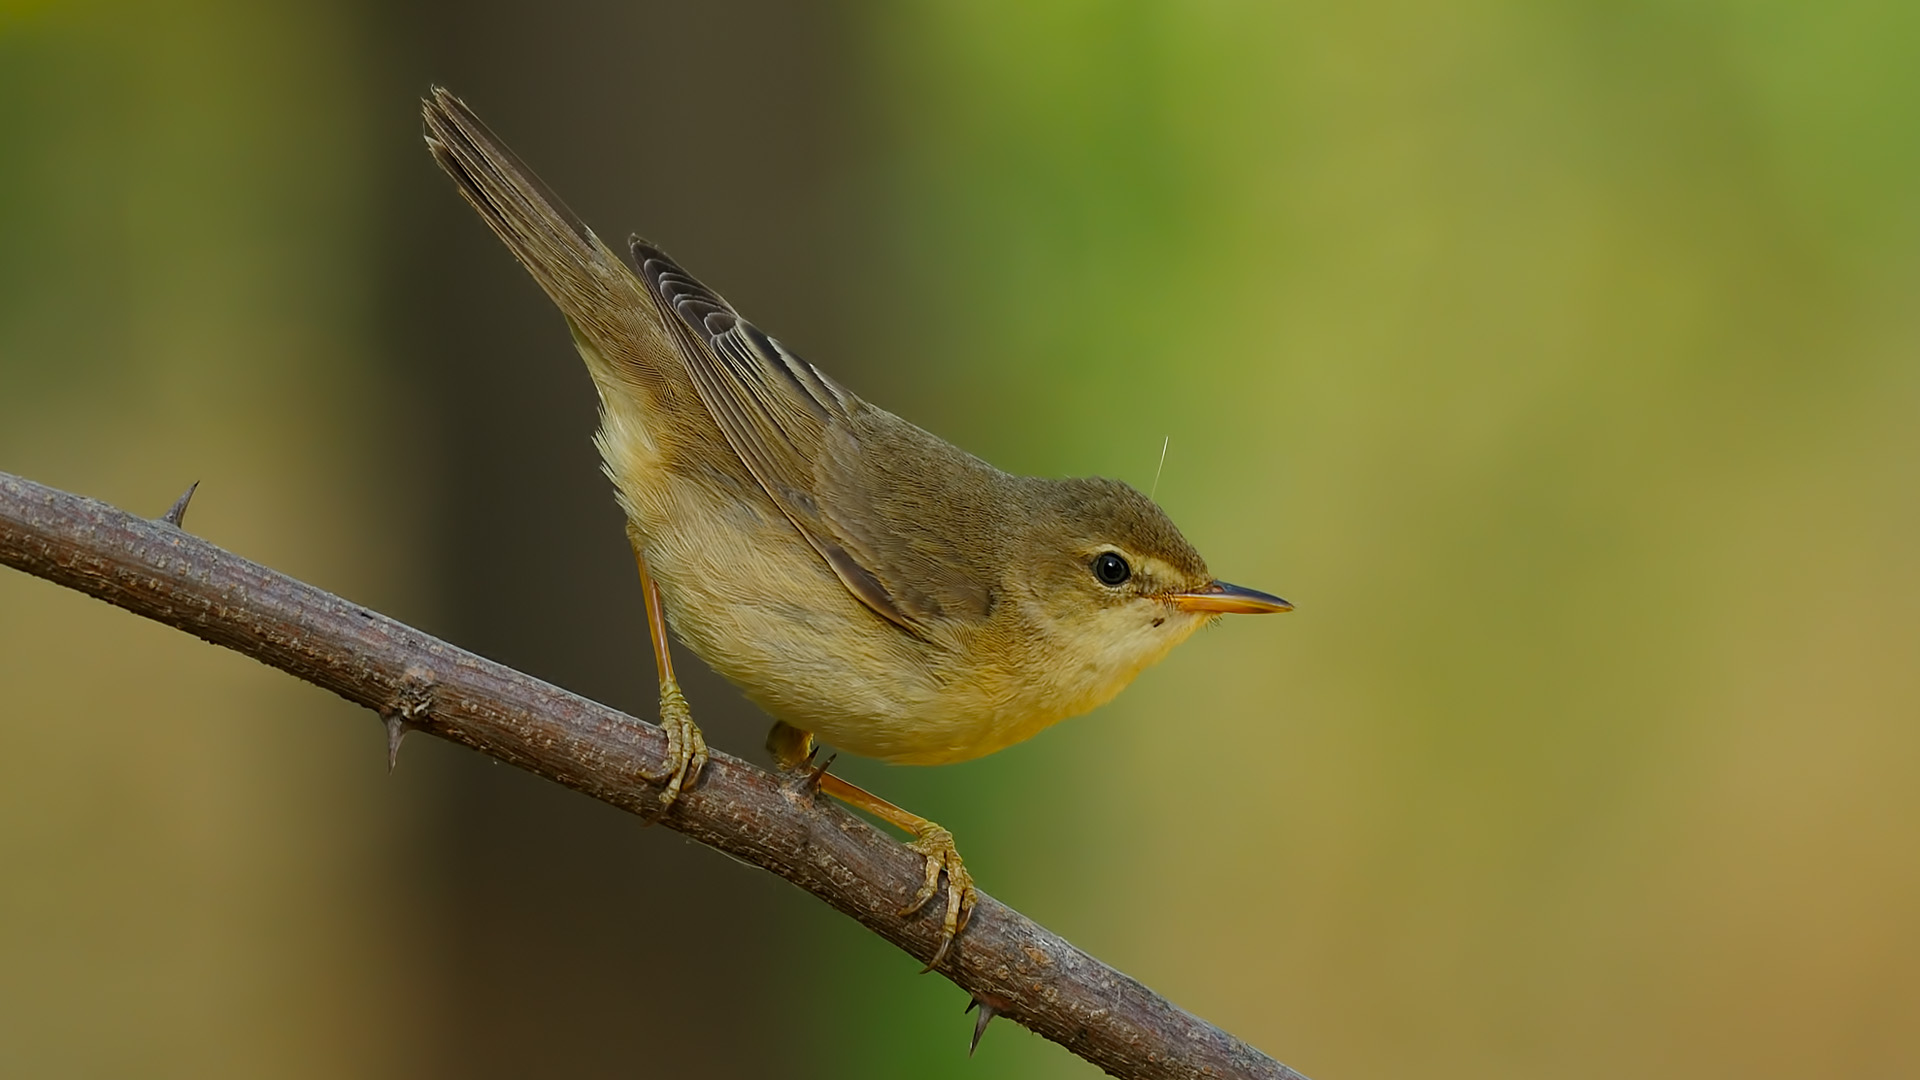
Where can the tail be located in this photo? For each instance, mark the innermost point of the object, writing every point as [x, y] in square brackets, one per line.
[617, 322]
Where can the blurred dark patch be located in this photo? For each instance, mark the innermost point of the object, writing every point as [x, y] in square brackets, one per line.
[576, 942]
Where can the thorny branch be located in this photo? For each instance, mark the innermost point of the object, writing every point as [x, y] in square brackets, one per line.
[1012, 966]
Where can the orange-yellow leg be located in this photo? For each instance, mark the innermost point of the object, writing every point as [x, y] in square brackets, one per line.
[792, 748]
[686, 747]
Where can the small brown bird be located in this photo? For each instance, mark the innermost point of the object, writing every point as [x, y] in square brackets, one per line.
[857, 577]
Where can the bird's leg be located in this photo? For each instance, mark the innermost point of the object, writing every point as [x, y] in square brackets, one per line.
[793, 749]
[931, 841]
[686, 747]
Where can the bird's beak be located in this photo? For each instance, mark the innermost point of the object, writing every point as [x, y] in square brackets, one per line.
[1222, 598]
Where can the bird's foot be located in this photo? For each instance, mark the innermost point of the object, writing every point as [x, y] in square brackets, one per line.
[686, 748]
[936, 844]
[930, 841]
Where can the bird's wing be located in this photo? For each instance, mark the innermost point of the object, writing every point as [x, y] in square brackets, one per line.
[798, 433]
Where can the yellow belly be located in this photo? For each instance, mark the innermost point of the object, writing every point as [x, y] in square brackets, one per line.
[752, 599]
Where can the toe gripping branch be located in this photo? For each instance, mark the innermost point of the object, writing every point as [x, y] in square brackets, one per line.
[686, 747]
[794, 750]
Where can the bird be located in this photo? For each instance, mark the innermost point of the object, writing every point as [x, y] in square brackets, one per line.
[863, 581]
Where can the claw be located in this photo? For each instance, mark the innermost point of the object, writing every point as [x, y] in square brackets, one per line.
[937, 845]
[686, 749]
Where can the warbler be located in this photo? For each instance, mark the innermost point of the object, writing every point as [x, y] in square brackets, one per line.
[861, 580]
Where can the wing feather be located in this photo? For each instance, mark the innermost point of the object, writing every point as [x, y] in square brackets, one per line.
[781, 415]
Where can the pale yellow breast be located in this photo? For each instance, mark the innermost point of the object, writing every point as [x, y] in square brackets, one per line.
[753, 600]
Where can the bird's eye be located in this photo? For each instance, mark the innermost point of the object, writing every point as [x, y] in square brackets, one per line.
[1111, 569]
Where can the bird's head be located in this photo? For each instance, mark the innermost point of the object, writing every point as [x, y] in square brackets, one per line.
[1116, 586]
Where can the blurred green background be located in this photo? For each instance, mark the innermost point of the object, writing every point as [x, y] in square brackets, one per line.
[1561, 361]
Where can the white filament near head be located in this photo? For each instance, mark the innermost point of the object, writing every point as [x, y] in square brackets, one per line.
[1163, 464]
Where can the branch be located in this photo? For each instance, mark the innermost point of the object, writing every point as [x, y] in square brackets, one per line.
[416, 682]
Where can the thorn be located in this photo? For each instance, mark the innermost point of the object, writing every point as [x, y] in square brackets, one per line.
[987, 1013]
[803, 779]
[396, 730]
[178, 511]
[811, 785]
[413, 697]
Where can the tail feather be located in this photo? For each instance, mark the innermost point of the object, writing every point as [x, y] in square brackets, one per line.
[617, 320]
